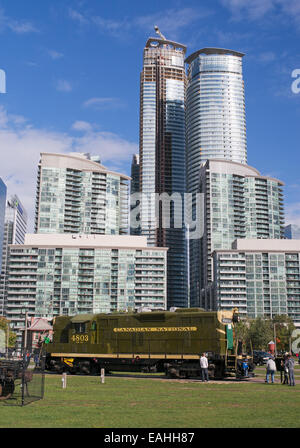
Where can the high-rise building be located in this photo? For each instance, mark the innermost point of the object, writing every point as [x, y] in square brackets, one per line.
[162, 155]
[78, 195]
[135, 228]
[292, 231]
[215, 110]
[15, 228]
[261, 277]
[215, 127]
[135, 174]
[75, 274]
[3, 191]
[238, 203]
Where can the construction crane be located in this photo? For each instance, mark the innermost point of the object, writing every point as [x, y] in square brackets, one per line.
[159, 33]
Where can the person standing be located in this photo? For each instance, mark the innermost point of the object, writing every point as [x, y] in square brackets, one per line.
[286, 369]
[204, 367]
[271, 369]
[290, 366]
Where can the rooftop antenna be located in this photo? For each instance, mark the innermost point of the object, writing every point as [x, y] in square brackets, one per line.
[159, 33]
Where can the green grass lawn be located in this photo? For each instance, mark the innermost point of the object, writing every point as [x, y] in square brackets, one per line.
[146, 403]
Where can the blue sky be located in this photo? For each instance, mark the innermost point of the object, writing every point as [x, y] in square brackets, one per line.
[73, 70]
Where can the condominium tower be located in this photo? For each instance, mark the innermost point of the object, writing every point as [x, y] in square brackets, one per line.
[15, 228]
[3, 191]
[78, 195]
[238, 203]
[259, 277]
[162, 155]
[215, 110]
[64, 274]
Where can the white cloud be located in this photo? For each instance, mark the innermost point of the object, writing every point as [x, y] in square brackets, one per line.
[267, 56]
[55, 54]
[258, 9]
[78, 17]
[22, 144]
[103, 103]
[82, 126]
[170, 21]
[292, 213]
[17, 26]
[64, 86]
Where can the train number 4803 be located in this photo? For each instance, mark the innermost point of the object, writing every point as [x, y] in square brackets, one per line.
[80, 338]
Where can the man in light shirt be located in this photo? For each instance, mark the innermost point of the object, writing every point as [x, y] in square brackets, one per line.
[204, 367]
[271, 369]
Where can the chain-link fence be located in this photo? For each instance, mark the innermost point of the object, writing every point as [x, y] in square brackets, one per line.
[22, 381]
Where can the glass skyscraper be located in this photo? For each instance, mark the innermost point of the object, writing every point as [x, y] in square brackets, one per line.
[238, 203]
[78, 195]
[215, 127]
[215, 110]
[162, 154]
[3, 191]
[15, 228]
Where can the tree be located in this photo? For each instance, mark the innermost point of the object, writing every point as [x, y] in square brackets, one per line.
[4, 326]
[241, 329]
[284, 328]
[260, 333]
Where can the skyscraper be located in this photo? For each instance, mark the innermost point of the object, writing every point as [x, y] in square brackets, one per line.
[162, 154]
[15, 228]
[78, 195]
[215, 127]
[215, 110]
[3, 191]
[238, 203]
[292, 231]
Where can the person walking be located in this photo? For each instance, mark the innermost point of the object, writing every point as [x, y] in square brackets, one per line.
[290, 366]
[271, 369]
[204, 367]
[286, 369]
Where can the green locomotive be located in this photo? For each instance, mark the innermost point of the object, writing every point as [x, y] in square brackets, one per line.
[157, 341]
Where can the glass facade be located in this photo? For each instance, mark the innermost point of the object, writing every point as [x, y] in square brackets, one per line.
[258, 283]
[239, 203]
[292, 232]
[215, 110]
[162, 155]
[14, 233]
[83, 199]
[2, 214]
[52, 281]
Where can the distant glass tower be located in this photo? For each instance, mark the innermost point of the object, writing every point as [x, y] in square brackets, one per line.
[162, 154]
[3, 191]
[215, 110]
[76, 194]
[215, 125]
[15, 228]
[292, 232]
[135, 188]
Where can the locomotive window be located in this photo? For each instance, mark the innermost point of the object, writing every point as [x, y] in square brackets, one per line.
[80, 327]
[94, 326]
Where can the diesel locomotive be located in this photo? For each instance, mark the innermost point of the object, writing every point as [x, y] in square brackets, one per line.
[158, 341]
